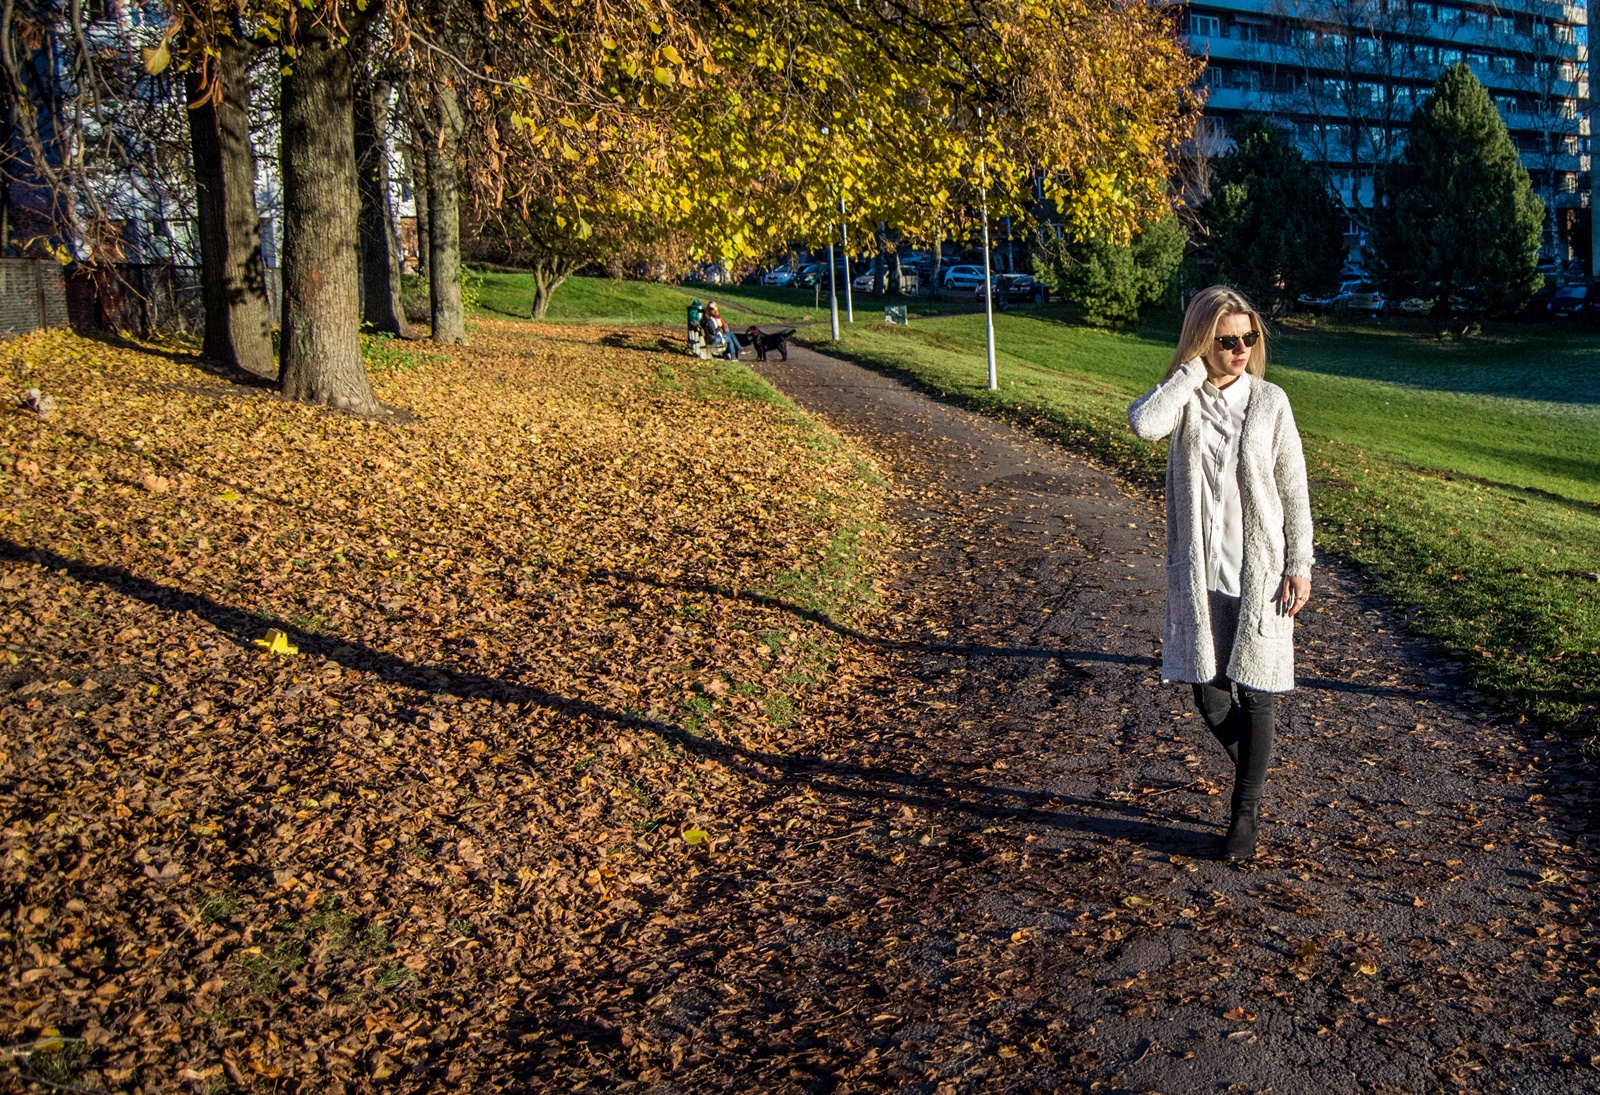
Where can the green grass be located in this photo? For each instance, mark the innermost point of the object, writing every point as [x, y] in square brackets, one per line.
[600, 300]
[1464, 477]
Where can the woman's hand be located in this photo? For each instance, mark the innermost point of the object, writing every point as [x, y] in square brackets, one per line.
[1293, 593]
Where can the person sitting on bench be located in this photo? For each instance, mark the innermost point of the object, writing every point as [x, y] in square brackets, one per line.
[715, 322]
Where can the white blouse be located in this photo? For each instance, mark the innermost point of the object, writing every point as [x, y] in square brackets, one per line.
[1222, 516]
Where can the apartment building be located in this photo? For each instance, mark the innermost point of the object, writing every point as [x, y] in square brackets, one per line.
[1344, 76]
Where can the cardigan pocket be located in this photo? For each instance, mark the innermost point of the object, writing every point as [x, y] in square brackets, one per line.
[1274, 623]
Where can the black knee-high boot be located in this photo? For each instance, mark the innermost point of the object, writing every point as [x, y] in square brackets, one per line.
[1221, 715]
[1256, 716]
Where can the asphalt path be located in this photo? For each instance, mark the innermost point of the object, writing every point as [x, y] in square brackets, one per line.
[1003, 877]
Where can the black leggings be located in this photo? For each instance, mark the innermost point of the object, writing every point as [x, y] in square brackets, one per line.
[1245, 724]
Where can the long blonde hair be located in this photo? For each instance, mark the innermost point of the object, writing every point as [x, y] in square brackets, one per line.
[1200, 321]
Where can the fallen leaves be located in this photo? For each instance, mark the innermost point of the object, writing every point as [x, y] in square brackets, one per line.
[533, 678]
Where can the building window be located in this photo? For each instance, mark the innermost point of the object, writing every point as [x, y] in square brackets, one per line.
[1247, 78]
[1448, 57]
[1504, 65]
[1449, 15]
[1422, 55]
[1422, 11]
[1248, 32]
[1205, 26]
[1564, 33]
[1505, 104]
[1333, 42]
[1211, 77]
[1569, 182]
[1566, 72]
[1475, 19]
[1503, 25]
[1479, 61]
[1569, 108]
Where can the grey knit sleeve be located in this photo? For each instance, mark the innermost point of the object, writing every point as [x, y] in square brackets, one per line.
[1158, 412]
[1289, 469]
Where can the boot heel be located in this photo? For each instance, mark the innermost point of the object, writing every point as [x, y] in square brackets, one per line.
[1240, 843]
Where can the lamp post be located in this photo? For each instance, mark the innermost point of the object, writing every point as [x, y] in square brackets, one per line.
[988, 280]
[833, 289]
[844, 245]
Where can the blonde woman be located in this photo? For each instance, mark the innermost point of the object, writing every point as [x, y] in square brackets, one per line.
[1238, 536]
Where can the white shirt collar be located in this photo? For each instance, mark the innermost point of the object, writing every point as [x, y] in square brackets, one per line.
[1234, 395]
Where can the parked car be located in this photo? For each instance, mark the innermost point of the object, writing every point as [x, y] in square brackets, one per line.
[1569, 301]
[1326, 302]
[1013, 289]
[779, 278]
[1538, 306]
[1463, 298]
[1414, 306]
[1364, 297]
[963, 277]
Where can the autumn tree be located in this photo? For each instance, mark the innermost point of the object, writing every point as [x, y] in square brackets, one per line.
[238, 317]
[380, 248]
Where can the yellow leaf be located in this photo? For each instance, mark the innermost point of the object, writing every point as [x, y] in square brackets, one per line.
[1368, 968]
[695, 836]
[1134, 901]
[663, 76]
[156, 58]
[277, 642]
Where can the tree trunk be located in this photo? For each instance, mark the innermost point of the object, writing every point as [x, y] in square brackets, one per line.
[546, 280]
[938, 261]
[380, 263]
[7, 136]
[233, 280]
[899, 275]
[321, 349]
[444, 221]
[417, 166]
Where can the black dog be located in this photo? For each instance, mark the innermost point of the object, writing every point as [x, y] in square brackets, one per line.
[765, 342]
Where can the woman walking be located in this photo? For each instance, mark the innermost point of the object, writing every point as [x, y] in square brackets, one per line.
[1238, 536]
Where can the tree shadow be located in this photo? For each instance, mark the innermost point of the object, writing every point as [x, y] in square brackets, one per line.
[232, 378]
[948, 792]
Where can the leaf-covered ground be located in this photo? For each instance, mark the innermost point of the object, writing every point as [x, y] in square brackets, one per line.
[531, 614]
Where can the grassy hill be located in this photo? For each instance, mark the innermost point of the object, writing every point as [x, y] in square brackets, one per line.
[1464, 477]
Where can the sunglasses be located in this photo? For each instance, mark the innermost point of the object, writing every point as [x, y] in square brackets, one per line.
[1233, 343]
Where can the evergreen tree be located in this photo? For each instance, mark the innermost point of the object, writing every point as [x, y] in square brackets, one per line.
[1456, 212]
[1111, 282]
[1275, 230]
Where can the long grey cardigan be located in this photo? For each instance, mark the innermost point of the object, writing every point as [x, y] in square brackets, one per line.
[1277, 530]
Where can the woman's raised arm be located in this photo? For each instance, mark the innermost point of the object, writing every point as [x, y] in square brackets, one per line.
[1158, 412]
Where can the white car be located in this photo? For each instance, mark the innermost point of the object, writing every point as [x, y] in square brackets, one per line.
[963, 277]
[1364, 297]
[862, 283]
[778, 278]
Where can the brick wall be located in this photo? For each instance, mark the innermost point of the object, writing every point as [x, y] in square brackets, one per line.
[33, 294]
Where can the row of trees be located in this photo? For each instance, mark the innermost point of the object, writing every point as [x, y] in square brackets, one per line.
[553, 133]
[1455, 216]
[1455, 221]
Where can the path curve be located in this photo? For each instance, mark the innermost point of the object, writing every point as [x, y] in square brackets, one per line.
[1004, 879]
